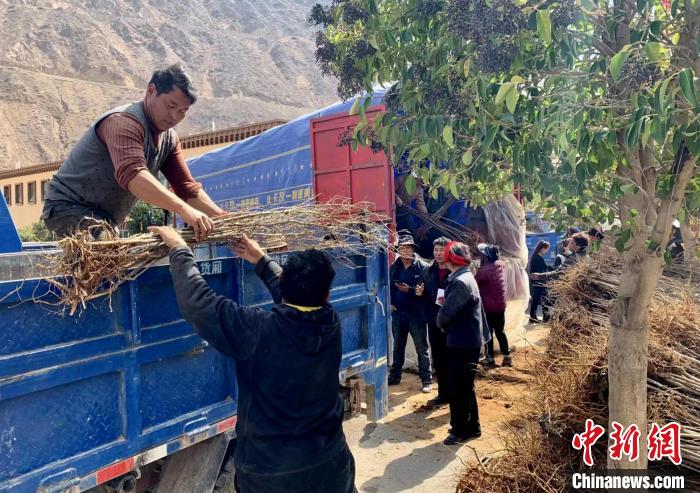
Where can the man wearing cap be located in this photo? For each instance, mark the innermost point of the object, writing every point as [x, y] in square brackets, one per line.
[406, 276]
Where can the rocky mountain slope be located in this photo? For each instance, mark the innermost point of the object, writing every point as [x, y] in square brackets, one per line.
[64, 62]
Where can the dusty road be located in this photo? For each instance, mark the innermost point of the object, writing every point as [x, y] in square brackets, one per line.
[404, 451]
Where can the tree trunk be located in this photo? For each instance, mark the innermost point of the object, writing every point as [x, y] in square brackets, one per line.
[628, 350]
[688, 241]
[629, 312]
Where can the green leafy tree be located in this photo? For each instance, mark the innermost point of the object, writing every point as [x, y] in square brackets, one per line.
[142, 216]
[36, 232]
[590, 105]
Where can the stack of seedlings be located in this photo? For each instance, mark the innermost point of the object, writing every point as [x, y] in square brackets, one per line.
[572, 383]
[89, 269]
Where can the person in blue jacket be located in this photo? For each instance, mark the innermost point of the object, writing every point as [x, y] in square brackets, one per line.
[289, 429]
[407, 316]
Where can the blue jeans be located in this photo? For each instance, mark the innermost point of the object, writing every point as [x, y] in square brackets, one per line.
[404, 323]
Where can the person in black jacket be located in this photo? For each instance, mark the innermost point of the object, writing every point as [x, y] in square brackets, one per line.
[539, 289]
[462, 318]
[435, 279]
[406, 278]
[289, 430]
[577, 246]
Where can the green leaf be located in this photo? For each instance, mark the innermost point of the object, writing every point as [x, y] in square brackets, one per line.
[423, 152]
[667, 257]
[589, 5]
[372, 40]
[516, 79]
[503, 91]
[467, 64]
[447, 135]
[410, 184]
[633, 135]
[629, 189]
[512, 99]
[355, 106]
[618, 61]
[662, 95]
[544, 26]
[467, 157]
[453, 187]
[655, 51]
[622, 240]
[687, 86]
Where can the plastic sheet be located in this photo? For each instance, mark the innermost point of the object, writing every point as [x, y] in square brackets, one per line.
[506, 224]
[516, 280]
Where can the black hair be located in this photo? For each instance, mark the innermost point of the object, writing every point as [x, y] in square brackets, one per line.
[442, 241]
[456, 251]
[306, 278]
[491, 253]
[596, 233]
[581, 241]
[541, 245]
[174, 76]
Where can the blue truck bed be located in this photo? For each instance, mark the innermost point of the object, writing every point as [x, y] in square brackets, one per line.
[129, 382]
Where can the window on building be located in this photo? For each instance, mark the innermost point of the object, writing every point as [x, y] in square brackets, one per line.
[44, 187]
[31, 192]
[7, 193]
[19, 193]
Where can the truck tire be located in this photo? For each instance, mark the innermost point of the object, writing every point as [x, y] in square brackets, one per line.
[225, 481]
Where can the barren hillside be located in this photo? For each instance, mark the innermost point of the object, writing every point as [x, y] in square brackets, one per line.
[64, 62]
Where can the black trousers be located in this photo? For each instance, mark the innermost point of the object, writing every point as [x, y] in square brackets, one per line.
[404, 323]
[335, 475]
[438, 350]
[539, 294]
[497, 324]
[461, 373]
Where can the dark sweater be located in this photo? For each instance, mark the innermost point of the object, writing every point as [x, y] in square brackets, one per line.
[432, 282]
[462, 315]
[492, 286]
[538, 266]
[289, 410]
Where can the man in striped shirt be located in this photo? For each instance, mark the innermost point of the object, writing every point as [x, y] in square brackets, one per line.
[117, 161]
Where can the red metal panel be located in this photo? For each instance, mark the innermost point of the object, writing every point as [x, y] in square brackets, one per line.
[338, 171]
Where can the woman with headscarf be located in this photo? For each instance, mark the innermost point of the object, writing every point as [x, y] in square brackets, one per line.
[492, 288]
[461, 317]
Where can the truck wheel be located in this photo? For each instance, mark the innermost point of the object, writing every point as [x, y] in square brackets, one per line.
[225, 481]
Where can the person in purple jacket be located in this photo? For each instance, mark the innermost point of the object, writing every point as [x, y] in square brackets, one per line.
[492, 288]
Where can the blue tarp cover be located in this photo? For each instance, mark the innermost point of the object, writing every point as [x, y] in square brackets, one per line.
[267, 169]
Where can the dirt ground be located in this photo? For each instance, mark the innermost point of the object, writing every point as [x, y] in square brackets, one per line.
[404, 451]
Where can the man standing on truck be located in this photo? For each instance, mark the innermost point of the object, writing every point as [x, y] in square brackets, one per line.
[290, 415]
[117, 161]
